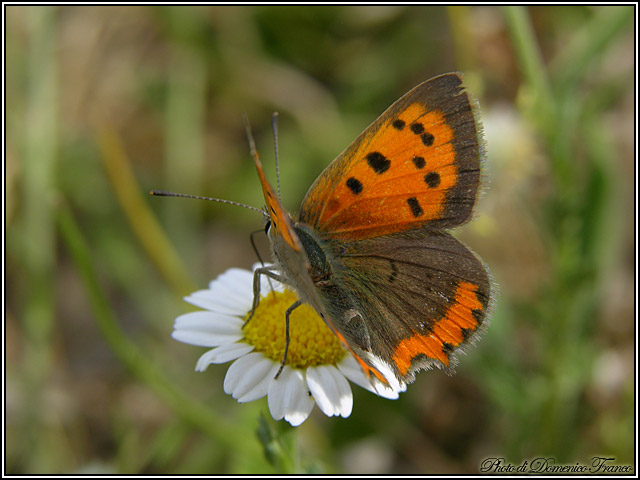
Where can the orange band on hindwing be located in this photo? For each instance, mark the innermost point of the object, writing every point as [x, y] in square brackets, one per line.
[447, 333]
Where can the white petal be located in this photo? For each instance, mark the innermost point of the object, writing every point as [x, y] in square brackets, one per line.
[237, 289]
[248, 377]
[219, 301]
[207, 329]
[200, 339]
[223, 354]
[231, 293]
[237, 370]
[224, 296]
[208, 322]
[331, 390]
[237, 278]
[289, 398]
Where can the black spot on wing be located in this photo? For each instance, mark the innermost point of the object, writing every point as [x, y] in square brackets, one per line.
[419, 162]
[378, 162]
[354, 185]
[427, 139]
[417, 128]
[432, 179]
[415, 207]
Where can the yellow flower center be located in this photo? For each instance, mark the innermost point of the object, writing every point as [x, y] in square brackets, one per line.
[311, 342]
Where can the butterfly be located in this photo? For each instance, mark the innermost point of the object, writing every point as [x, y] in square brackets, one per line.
[369, 248]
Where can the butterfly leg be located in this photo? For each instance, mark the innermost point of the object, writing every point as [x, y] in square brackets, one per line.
[255, 250]
[287, 338]
[267, 272]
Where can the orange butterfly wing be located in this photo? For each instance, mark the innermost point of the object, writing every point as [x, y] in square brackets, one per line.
[417, 165]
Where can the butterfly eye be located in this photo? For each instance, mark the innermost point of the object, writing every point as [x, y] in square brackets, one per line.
[267, 227]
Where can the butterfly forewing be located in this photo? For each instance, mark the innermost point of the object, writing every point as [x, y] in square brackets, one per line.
[416, 166]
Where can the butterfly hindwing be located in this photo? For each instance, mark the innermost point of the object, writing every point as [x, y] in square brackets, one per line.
[417, 165]
[413, 299]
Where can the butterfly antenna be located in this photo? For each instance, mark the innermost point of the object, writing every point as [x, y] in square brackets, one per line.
[274, 125]
[252, 143]
[164, 193]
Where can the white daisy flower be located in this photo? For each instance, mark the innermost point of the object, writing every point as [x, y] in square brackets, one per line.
[317, 366]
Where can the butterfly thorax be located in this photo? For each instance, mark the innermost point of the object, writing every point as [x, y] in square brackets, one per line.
[303, 269]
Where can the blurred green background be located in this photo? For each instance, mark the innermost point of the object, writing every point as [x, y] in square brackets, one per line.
[105, 103]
